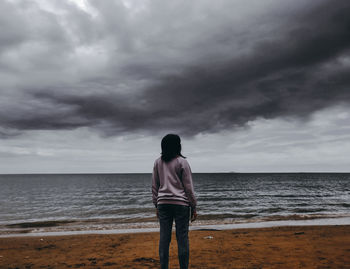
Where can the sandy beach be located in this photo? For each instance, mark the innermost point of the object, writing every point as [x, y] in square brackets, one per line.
[277, 247]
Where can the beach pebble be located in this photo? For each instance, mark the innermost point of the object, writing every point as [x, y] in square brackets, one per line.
[208, 237]
[41, 239]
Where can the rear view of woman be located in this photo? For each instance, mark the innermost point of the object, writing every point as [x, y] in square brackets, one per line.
[173, 197]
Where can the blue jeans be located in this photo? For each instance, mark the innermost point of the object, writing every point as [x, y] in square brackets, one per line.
[167, 213]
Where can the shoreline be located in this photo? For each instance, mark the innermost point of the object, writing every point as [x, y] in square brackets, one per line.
[343, 221]
[272, 247]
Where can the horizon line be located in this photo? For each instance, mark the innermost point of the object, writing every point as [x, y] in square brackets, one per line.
[222, 172]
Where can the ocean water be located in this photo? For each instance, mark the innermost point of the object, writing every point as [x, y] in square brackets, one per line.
[85, 202]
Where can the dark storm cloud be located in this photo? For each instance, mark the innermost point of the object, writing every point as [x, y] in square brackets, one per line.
[193, 75]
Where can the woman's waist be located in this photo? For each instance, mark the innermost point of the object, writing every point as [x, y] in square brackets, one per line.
[172, 202]
[172, 196]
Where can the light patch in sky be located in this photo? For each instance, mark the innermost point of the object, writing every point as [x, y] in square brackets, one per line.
[320, 145]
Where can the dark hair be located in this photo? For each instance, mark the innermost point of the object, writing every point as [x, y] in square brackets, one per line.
[171, 147]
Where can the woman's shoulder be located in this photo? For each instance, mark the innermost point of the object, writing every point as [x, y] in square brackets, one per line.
[178, 160]
[182, 161]
[158, 160]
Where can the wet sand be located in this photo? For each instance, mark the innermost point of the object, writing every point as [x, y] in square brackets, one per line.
[278, 247]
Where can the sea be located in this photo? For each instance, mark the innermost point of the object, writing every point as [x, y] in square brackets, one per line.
[45, 204]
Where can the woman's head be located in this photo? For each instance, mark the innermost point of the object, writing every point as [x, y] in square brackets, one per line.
[171, 147]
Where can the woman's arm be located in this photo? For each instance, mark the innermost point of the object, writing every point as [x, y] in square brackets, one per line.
[155, 184]
[188, 185]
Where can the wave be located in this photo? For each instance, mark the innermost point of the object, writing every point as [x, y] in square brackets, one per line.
[149, 222]
[50, 223]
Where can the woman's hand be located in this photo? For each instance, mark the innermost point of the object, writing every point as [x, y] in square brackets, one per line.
[193, 215]
[157, 213]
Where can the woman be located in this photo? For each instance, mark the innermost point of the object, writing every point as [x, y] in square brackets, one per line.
[173, 197]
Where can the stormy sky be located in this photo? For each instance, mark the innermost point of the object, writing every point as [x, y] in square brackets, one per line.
[250, 86]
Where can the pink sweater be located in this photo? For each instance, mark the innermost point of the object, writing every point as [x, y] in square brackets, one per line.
[172, 183]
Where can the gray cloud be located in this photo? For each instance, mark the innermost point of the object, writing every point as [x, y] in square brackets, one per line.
[188, 67]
